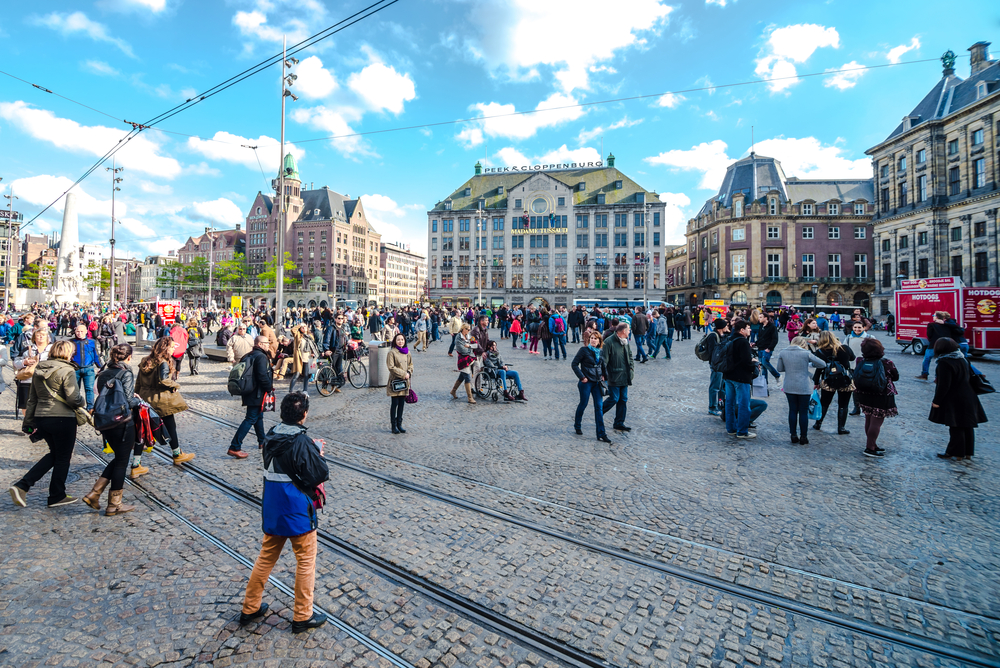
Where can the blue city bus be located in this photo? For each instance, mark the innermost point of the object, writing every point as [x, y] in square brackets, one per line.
[612, 303]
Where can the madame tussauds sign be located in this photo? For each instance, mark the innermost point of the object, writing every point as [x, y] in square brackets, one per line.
[545, 168]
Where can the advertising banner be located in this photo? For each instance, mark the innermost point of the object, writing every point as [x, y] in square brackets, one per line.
[915, 309]
[168, 310]
[236, 303]
[718, 307]
[980, 307]
[946, 283]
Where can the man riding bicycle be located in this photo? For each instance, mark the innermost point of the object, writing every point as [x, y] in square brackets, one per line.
[340, 334]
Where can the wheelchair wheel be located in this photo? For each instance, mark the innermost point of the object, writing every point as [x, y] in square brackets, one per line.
[326, 381]
[482, 385]
[511, 387]
[357, 374]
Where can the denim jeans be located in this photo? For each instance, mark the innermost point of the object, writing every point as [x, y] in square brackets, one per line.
[737, 407]
[757, 406]
[617, 399]
[714, 388]
[928, 355]
[512, 374]
[559, 342]
[434, 332]
[576, 334]
[765, 361]
[451, 348]
[798, 412]
[687, 331]
[588, 390]
[255, 419]
[640, 348]
[87, 376]
[661, 340]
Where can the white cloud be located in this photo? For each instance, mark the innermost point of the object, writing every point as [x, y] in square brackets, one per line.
[100, 67]
[77, 22]
[670, 100]
[162, 246]
[522, 126]
[154, 188]
[675, 218]
[141, 154]
[720, 3]
[41, 190]
[845, 80]
[511, 156]
[337, 123]
[137, 228]
[792, 44]
[708, 158]
[154, 6]
[229, 148]
[514, 38]
[382, 87]
[410, 227]
[254, 24]
[314, 81]
[587, 135]
[470, 137]
[222, 213]
[896, 53]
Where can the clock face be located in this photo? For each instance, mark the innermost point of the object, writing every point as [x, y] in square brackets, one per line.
[539, 205]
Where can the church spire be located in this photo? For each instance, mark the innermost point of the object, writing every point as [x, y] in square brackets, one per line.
[291, 170]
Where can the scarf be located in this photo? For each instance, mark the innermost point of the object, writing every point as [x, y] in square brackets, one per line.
[404, 350]
[954, 355]
[597, 352]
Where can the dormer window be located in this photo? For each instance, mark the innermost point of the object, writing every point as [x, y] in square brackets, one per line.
[447, 205]
[468, 192]
[980, 90]
[618, 185]
[807, 209]
[640, 198]
[316, 212]
[772, 206]
[600, 198]
[499, 190]
[833, 208]
[737, 208]
[581, 186]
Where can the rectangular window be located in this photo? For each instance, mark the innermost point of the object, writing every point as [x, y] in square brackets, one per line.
[953, 147]
[715, 238]
[884, 171]
[956, 265]
[739, 234]
[582, 280]
[738, 208]
[956, 234]
[561, 201]
[921, 156]
[656, 238]
[517, 242]
[498, 243]
[601, 220]
[904, 269]
[582, 220]
[715, 267]
[808, 265]
[982, 266]
[807, 233]
[773, 265]
[639, 240]
[773, 232]
[860, 265]
[833, 209]
[885, 245]
[833, 265]
[621, 239]
[517, 204]
[886, 275]
[621, 281]
[560, 240]
[833, 232]
[559, 259]
[860, 231]
[498, 260]
[904, 241]
[497, 224]
[772, 207]
[902, 163]
[447, 282]
[581, 259]
[980, 229]
[517, 280]
[638, 220]
[434, 243]
[582, 241]
[447, 225]
[923, 269]
[807, 209]
[463, 243]
[979, 172]
[656, 219]
[902, 194]
[601, 240]
[517, 260]
[922, 188]
[885, 199]
[463, 224]
[434, 226]
[921, 238]
[601, 259]
[977, 137]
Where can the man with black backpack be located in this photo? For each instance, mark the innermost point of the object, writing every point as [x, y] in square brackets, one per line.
[735, 359]
[254, 382]
[712, 341]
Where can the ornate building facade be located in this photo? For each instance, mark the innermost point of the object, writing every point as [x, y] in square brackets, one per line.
[546, 234]
[937, 174]
[770, 239]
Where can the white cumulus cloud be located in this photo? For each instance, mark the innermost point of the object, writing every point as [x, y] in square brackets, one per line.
[136, 227]
[675, 218]
[78, 23]
[154, 6]
[843, 80]
[337, 123]
[222, 213]
[896, 53]
[510, 157]
[397, 224]
[670, 100]
[514, 38]
[382, 87]
[510, 125]
[229, 148]
[253, 24]
[792, 44]
[141, 154]
[42, 189]
[314, 81]
[709, 158]
[587, 135]
[470, 137]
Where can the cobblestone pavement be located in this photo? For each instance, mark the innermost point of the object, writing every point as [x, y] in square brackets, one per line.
[908, 542]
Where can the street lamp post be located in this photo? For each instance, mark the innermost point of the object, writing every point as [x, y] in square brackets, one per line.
[479, 261]
[10, 228]
[211, 254]
[279, 264]
[815, 297]
[115, 180]
[645, 254]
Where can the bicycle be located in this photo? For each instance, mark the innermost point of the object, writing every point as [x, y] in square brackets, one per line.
[356, 371]
[486, 384]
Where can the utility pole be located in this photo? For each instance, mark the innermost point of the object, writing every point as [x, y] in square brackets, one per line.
[279, 265]
[645, 253]
[10, 245]
[479, 257]
[211, 253]
[115, 180]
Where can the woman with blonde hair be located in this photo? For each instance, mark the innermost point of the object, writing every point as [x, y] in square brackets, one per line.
[304, 355]
[794, 361]
[155, 386]
[53, 398]
[834, 378]
[36, 351]
[463, 346]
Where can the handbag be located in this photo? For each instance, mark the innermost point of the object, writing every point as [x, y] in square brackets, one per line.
[25, 373]
[411, 397]
[267, 403]
[815, 409]
[398, 385]
[980, 385]
[759, 388]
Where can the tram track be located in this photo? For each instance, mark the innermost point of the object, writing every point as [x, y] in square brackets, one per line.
[233, 553]
[900, 638]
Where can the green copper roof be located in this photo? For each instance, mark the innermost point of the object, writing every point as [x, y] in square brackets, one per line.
[291, 171]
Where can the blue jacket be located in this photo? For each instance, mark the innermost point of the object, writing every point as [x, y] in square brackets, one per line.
[86, 353]
[293, 470]
[552, 325]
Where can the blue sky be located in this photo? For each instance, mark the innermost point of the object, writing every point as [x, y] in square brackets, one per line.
[425, 62]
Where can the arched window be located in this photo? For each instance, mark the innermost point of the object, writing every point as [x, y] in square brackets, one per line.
[861, 299]
[808, 298]
[774, 298]
[739, 298]
[834, 299]
[258, 210]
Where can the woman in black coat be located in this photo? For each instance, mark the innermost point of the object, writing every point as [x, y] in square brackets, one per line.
[590, 367]
[955, 403]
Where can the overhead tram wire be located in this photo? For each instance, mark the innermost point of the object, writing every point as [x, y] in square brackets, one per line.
[218, 88]
[616, 100]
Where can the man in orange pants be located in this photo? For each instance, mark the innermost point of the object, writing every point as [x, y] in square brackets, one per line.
[294, 473]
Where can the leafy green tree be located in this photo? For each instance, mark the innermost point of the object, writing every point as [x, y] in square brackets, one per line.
[171, 275]
[97, 277]
[29, 277]
[269, 277]
[233, 273]
[196, 274]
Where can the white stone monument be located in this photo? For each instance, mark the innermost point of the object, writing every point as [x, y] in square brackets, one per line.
[69, 286]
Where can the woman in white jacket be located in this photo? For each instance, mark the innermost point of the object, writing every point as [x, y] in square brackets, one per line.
[853, 342]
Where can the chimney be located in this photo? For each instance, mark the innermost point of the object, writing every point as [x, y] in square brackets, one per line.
[237, 227]
[980, 57]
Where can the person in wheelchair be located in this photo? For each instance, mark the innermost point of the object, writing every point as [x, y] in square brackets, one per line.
[493, 364]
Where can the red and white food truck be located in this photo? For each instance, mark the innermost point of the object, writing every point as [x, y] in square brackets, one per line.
[977, 310]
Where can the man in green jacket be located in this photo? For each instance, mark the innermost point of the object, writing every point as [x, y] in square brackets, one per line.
[621, 371]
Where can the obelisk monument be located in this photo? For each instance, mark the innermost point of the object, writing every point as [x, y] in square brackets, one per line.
[69, 280]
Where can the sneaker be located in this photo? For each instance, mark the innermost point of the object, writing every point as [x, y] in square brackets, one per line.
[65, 502]
[318, 619]
[731, 433]
[19, 495]
[746, 435]
[246, 619]
[239, 454]
[873, 453]
[880, 449]
[752, 425]
[712, 411]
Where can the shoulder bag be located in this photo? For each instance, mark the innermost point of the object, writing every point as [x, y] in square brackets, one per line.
[82, 414]
[980, 385]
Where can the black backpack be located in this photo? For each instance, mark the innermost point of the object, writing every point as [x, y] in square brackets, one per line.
[870, 377]
[836, 375]
[241, 377]
[722, 358]
[111, 407]
[701, 350]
